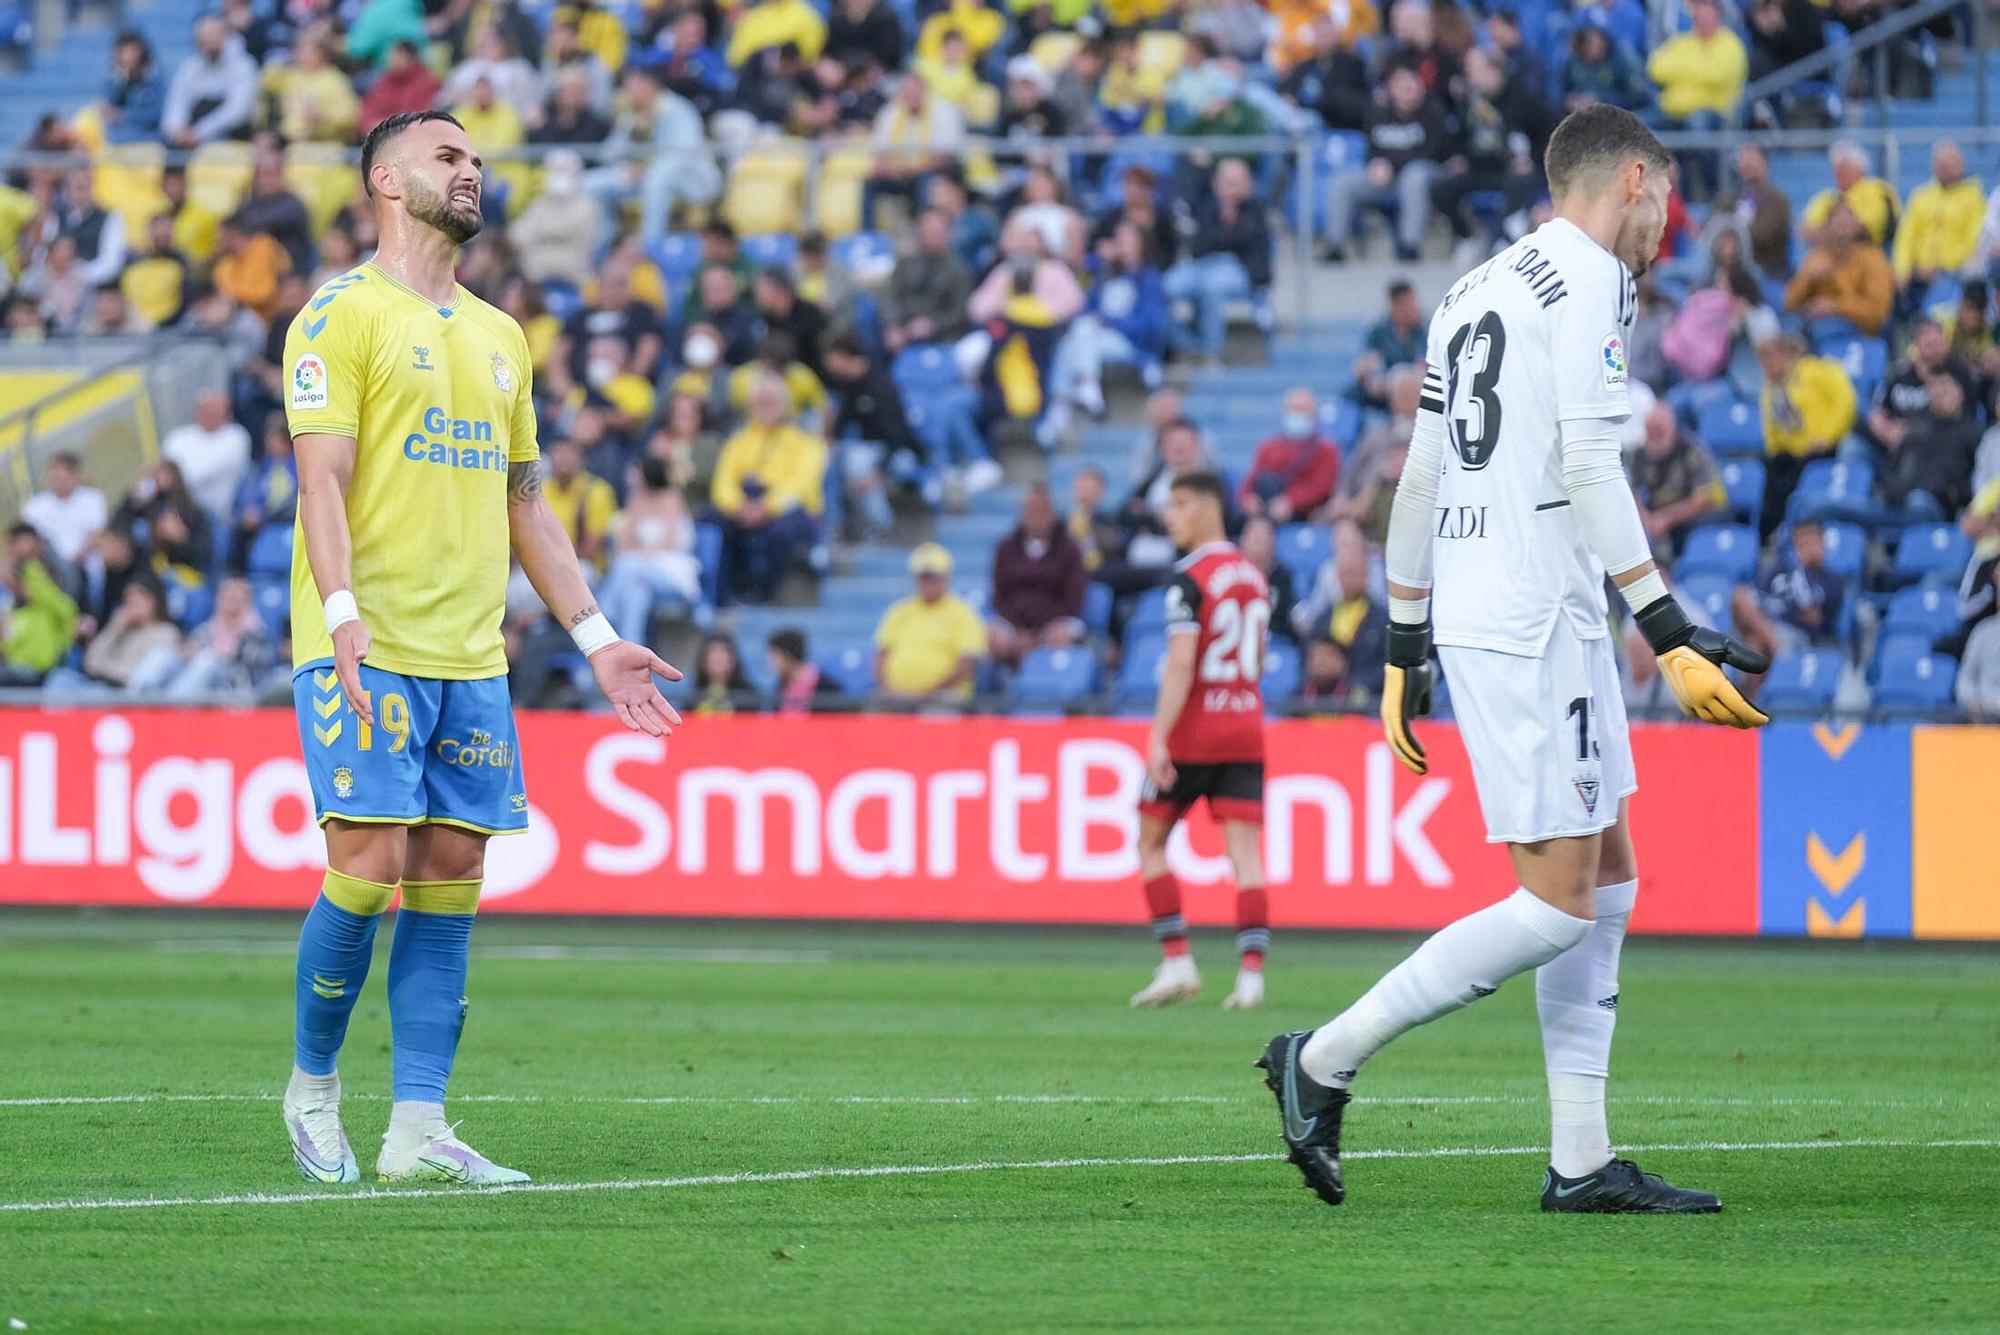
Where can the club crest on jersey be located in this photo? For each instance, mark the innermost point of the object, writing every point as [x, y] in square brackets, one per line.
[343, 781]
[503, 379]
[308, 382]
[1613, 358]
[1586, 791]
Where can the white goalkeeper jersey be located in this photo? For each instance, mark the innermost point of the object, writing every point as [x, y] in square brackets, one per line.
[1534, 337]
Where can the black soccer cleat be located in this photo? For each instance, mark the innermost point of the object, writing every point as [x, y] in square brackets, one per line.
[1621, 1188]
[1311, 1113]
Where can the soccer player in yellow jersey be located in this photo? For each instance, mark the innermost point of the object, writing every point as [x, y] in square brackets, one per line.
[418, 473]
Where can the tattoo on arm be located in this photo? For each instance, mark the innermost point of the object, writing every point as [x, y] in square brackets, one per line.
[583, 616]
[524, 482]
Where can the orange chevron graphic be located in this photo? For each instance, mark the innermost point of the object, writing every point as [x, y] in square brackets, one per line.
[1836, 871]
[1850, 924]
[1835, 741]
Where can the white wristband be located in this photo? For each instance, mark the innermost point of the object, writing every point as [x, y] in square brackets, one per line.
[593, 633]
[1644, 591]
[340, 609]
[1409, 611]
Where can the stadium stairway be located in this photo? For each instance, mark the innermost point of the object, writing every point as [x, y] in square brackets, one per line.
[1236, 406]
[67, 75]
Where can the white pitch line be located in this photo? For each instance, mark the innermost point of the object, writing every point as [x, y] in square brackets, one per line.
[209, 945]
[921, 1170]
[988, 1100]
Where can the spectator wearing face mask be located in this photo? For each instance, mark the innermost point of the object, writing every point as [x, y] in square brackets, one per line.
[1295, 471]
[557, 234]
[614, 334]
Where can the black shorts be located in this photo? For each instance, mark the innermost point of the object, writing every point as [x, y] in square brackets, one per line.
[1233, 789]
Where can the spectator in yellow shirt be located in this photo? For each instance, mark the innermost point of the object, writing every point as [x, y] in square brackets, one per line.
[1700, 74]
[770, 489]
[981, 25]
[584, 503]
[316, 102]
[776, 23]
[1940, 229]
[497, 129]
[1808, 405]
[929, 644]
[1873, 199]
[1845, 276]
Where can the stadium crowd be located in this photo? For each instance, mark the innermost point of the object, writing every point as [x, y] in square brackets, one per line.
[736, 374]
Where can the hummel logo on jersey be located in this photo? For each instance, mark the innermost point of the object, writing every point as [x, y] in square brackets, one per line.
[1609, 1003]
[1587, 789]
[423, 359]
[1479, 991]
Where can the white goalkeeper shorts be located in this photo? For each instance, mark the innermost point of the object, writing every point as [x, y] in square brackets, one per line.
[1551, 754]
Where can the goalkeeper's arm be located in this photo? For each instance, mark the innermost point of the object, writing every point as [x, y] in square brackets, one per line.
[1691, 657]
[1406, 676]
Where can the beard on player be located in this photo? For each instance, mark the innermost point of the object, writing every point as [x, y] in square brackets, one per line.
[424, 202]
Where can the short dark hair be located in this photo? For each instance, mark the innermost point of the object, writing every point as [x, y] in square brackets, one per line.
[21, 528]
[67, 460]
[1203, 482]
[1399, 289]
[789, 641]
[386, 131]
[846, 344]
[1598, 139]
[1804, 525]
[719, 230]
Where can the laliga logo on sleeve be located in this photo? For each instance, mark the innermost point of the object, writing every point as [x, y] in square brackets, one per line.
[308, 382]
[1614, 362]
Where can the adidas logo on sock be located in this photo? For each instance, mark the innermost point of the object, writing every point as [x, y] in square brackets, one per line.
[1609, 1003]
[1479, 991]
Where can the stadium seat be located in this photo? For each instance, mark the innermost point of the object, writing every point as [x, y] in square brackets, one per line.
[837, 203]
[274, 600]
[771, 250]
[1802, 683]
[323, 179]
[1928, 610]
[561, 298]
[1097, 603]
[1706, 597]
[852, 668]
[1743, 483]
[1933, 552]
[1919, 686]
[1139, 674]
[1053, 50]
[1055, 676]
[217, 176]
[1831, 482]
[1866, 361]
[863, 251]
[271, 551]
[708, 552]
[1725, 550]
[189, 604]
[1282, 672]
[1149, 616]
[766, 191]
[1730, 426]
[1896, 651]
[1340, 420]
[1303, 549]
[677, 256]
[1846, 549]
[925, 368]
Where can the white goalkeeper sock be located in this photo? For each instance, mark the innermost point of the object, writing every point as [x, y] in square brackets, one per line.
[1577, 996]
[1465, 961]
[413, 1121]
[307, 1090]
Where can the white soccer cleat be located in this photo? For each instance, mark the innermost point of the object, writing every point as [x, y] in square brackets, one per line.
[1175, 980]
[319, 1141]
[1249, 993]
[408, 1157]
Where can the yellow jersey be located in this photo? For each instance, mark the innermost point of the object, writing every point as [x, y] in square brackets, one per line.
[924, 642]
[437, 402]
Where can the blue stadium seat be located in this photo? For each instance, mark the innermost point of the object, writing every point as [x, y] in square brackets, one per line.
[561, 298]
[189, 605]
[1730, 426]
[274, 600]
[1725, 550]
[1139, 674]
[1831, 482]
[1055, 676]
[1846, 549]
[1928, 610]
[1743, 481]
[1340, 420]
[852, 669]
[1866, 360]
[708, 551]
[1303, 549]
[862, 250]
[1919, 686]
[1802, 683]
[1282, 671]
[1149, 616]
[1897, 650]
[271, 551]
[678, 255]
[1097, 603]
[772, 250]
[924, 366]
[1706, 598]
[1933, 552]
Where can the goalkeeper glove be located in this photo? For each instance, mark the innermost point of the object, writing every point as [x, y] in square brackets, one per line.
[1406, 691]
[1692, 658]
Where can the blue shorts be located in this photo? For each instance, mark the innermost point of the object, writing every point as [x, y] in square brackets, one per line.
[439, 752]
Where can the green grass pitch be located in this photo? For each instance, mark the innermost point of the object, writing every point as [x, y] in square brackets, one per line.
[732, 1127]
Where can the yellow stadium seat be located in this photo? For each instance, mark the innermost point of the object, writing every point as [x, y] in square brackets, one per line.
[1054, 50]
[217, 176]
[128, 182]
[1161, 55]
[840, 181]
[766, 191]
[322, 178]
[982, 105]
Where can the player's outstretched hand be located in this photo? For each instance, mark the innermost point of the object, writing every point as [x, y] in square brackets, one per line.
[1406, 692]
[1160, 767]
[625, 673]
[1694, 674]
[351, 643]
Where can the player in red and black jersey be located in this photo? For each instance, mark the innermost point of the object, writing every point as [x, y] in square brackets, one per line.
[1208, 739]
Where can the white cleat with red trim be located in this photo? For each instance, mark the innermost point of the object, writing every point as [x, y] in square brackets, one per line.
[1175, 980]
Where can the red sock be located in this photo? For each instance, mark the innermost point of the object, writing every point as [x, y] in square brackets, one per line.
[1253, 927]
[1163, 902]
